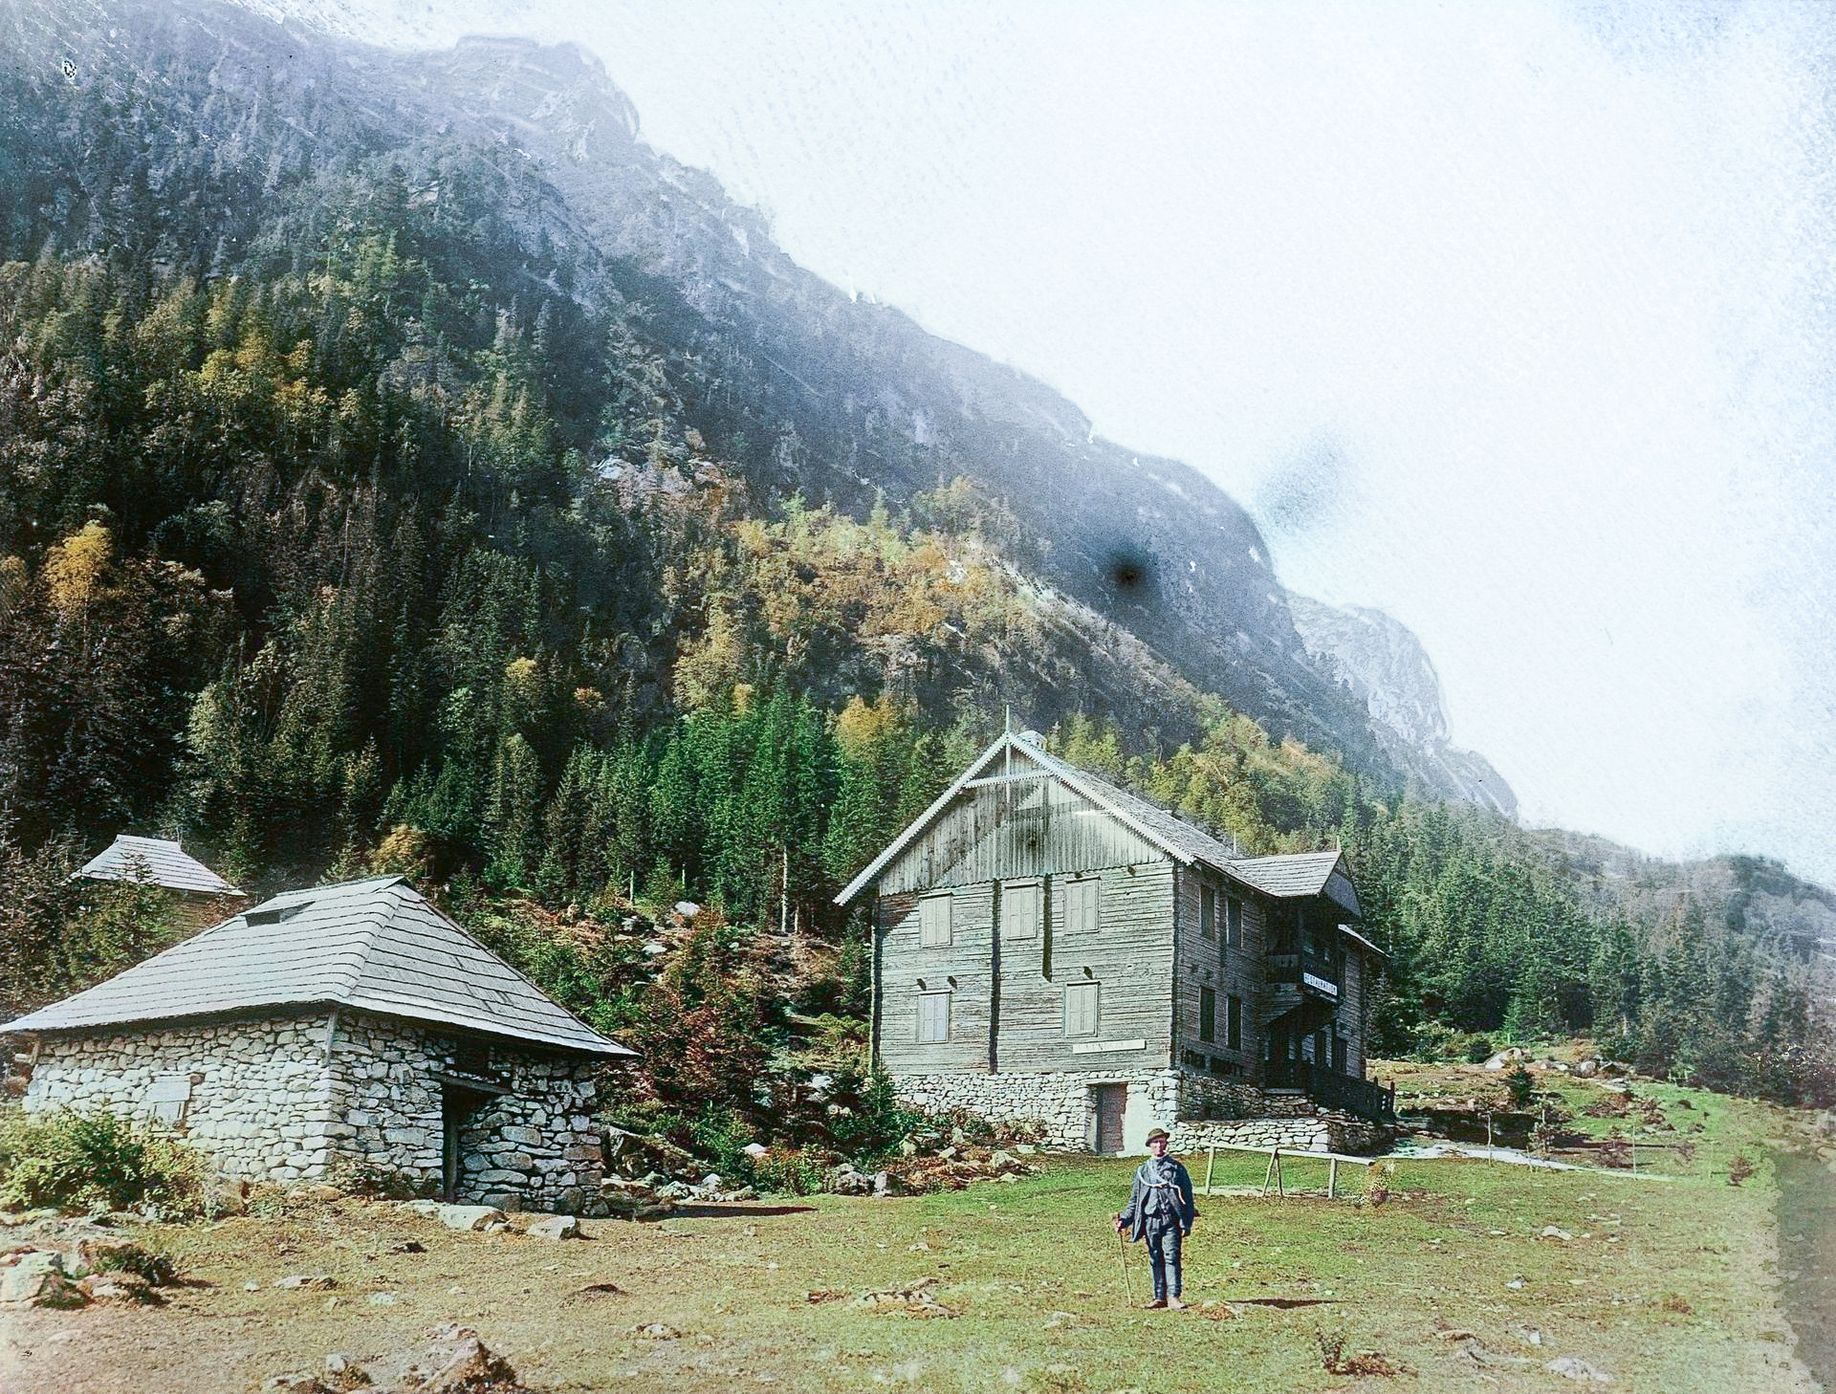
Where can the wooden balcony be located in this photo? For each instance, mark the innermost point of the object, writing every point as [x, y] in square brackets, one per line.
[1330, 1089]
[1312, 973]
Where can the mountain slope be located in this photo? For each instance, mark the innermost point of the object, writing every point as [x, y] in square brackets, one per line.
[841, 400]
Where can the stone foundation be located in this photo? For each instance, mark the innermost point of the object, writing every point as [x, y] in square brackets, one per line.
[1058, 1102]
[290, 1099]
[1197, 1109]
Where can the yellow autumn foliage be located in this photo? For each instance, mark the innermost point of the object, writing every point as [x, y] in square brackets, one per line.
[75, 568]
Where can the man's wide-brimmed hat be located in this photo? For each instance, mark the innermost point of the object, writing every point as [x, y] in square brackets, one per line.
[1159, 1133]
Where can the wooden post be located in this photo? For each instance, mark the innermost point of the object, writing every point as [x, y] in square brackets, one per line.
[1268, 1175]
[1332, 1178]
[1211, 1165]
[1488, 1137]
[1280, 1190]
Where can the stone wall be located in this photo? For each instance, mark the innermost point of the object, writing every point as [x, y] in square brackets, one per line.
[266, 1100]
[253, 1096]
[1197, 1109]
[1326, 1131]
[1058, 1101]
[535, 1147]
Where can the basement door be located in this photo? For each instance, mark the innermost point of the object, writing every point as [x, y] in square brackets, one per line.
[1111, 1104]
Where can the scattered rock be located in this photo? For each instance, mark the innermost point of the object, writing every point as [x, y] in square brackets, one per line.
[128, 1289]
[470, 1218]
[473, 1369]
[913, 1301]
[1586, 1069]
[657, 1331]
[1575, 1368]
[382, 1299]
[554, 1227]
[592, 1290]
[755, 1150]
[37, 1279]
[1552, 1232]
[344, 1373]
[307, 1282]
[817, 1296]
[297, 1384]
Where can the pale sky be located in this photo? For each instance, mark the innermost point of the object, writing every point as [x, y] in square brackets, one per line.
[1514, 320]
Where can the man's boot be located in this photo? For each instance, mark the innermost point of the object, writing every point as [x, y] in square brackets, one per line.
[1158, 1304]
[1174, 1304]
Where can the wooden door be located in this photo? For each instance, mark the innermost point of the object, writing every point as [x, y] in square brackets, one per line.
[1111, 1103]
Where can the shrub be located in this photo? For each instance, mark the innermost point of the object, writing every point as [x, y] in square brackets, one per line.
[373, 1180]
[1522, 1086]
[95, 1161]
[873, 1122]
[791, 1171]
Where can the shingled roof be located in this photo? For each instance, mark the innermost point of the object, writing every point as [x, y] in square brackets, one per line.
[1300, 874]
[375, 945]
[160, 860]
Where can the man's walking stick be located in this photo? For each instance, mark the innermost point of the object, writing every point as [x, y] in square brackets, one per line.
[1128, 1283]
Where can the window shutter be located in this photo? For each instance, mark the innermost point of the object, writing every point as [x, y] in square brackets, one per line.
[1233, 922]
[1081, 1009]
[934, 921]
[933, 1017]
[1081, 905]
[1233, 1022]
[1020, 910]
[1208, 1014]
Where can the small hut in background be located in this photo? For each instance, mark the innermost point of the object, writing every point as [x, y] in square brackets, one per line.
[344, 1025]
[200, 896]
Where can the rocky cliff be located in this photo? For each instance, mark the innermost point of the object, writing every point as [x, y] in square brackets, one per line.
[1384, 665]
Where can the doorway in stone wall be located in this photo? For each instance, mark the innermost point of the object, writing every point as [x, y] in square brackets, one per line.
[1110, 1103]
[457, 1105]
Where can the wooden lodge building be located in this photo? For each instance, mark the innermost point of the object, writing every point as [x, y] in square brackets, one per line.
[1053, 949]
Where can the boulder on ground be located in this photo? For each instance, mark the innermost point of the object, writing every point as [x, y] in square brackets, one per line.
[473, 1369]
[554, 1227]
[846, 1181]
[123, 1289]
[470, 1218]
[1586, 1069]
[37, 1279]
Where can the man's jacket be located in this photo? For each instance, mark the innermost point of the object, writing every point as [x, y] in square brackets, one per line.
[1161, 1198]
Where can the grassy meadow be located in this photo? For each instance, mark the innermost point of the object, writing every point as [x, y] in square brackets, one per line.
[1665, 1284]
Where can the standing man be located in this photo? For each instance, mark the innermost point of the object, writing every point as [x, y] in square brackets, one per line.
[1160, 1210]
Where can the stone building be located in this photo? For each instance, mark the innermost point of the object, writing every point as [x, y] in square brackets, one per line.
[200, 897]
[347, 1024]
[1051, 948]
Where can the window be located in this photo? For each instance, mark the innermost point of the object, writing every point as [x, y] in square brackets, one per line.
[934, 921]
[1208, 911]
[1081, 905]
[1208, 1014]
[1233, 923]
[1081, 1009]
[1020, 910]
[933, 1017]
[1233, 1022]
